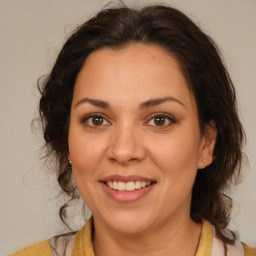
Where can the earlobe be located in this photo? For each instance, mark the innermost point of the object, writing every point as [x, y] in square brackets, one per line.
[206, 156]
[69, 160]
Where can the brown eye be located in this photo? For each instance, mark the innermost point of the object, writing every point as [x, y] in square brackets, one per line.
[95, 121]
[160, 120]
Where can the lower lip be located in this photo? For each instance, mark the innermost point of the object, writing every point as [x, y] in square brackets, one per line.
[127, 196]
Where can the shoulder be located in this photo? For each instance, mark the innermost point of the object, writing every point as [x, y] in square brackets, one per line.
[236, 249]
[39, 249]
[65, 244]
[57, 245]
[249, 251]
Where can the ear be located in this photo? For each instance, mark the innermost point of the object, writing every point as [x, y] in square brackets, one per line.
[207, 145]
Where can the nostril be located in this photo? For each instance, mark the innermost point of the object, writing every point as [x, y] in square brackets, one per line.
[132, 159]
[123, 161]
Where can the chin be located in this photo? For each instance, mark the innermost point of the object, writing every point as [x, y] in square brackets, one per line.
[127, 223]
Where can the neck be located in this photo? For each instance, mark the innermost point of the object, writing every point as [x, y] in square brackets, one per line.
[168, 238]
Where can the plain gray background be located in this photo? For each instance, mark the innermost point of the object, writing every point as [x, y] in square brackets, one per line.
[31, 34]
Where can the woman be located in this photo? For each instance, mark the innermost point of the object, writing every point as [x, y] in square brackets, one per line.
[141, 112]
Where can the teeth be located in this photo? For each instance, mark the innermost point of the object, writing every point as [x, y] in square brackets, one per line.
[115, 185]
[110, 184]
[121, 186]
[129, 186]
[137, 184]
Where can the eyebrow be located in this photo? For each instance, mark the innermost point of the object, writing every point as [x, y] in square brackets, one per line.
[158, 101]
[94, 102]
[143, 105]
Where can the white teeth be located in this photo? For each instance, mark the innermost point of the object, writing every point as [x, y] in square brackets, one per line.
[137, 184]
[129, 186]
[110, 184]
[115, 186]
[121, 185]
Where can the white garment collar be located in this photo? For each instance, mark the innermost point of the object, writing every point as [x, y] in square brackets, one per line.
[218, 247]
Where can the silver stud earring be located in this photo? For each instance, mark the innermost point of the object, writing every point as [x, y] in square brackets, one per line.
[204, 161]
[69, 163]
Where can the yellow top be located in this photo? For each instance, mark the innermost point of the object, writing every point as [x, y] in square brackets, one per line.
[40, 249]
[249, 251]
[83, 244]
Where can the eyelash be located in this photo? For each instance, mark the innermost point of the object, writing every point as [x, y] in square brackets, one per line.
[170, 119]
[86, 118]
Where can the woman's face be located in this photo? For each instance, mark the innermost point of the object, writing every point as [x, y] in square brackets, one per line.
[134, 138]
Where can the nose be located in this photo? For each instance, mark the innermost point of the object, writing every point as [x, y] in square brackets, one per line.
[126, 146]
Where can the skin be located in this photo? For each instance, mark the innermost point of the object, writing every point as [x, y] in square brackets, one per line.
[129, 141]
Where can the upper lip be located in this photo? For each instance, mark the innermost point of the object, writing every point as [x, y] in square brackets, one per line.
[126, 178]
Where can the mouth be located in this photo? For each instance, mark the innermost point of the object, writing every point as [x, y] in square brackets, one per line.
[127, 186]
[127, 189]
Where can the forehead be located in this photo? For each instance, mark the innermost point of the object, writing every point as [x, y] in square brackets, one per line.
[137, 71]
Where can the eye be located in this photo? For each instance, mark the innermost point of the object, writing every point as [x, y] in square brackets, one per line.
[95, 121]
[160, 120]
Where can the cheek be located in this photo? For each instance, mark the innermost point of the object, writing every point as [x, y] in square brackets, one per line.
[85, 153]
[176, 157]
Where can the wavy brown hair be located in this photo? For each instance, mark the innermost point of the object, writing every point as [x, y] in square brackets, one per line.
[202, 66]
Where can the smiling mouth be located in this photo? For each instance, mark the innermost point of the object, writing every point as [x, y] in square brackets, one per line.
[127, 186]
